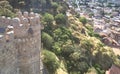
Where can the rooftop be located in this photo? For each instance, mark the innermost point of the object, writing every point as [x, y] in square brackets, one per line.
[2, 30]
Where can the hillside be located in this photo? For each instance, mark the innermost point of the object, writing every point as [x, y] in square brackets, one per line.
[76, 44]
[69, 43]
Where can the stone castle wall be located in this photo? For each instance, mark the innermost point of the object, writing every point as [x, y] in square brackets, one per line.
[8, 60]
[20, 44]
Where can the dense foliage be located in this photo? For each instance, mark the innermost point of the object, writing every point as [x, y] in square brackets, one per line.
[50, 60]
[60, 19]
[6, 9]
[66, 39]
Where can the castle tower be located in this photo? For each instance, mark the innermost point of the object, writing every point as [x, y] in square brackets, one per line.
[20, 44]
[27, 42]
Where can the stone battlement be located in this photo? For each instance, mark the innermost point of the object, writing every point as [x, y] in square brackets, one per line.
[24, 25]
[22, 19]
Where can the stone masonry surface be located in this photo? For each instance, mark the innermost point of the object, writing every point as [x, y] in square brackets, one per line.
[20, 44]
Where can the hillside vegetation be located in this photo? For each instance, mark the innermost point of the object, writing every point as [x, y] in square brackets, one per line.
[69, 44]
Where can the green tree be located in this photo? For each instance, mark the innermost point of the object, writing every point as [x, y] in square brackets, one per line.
[60, 19]
[103, 60]
[47, 40]
[6, 9]
[51, 61]
[48, 22]
[76, 59]
[62, 34]
[48, 18]
[83, 20]
[67, 51]
[54, 7]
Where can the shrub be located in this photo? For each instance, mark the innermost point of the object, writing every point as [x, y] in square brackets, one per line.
[62, 34]
[54, 5]
[57, 48]
[50, 61]
[48, 18]
[87, 44]
[102, 56]
[67, 51]
[6, 13]
[47, 40]
[60, 19]
[61, 9]
[83, 20]
[54, 8]
[6, 9]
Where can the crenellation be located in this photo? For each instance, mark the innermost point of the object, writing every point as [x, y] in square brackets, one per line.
[20, 44]
[19, 15]
[16, 23]
[8, 21]
[26, 14]
[32, 14]
[25, 23]
[37, 16]
[32, 21]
